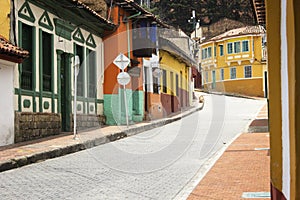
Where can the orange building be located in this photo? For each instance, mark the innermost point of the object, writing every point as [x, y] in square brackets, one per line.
[134, 37]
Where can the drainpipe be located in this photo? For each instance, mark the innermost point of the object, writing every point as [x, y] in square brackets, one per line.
[128, 32]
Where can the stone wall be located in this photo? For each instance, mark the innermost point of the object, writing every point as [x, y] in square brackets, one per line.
[88, 121]
[30, 126]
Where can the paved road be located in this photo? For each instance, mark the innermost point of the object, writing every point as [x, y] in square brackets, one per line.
[156, 164]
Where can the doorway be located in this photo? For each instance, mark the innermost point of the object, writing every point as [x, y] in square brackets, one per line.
[172, 91]
[65, 92]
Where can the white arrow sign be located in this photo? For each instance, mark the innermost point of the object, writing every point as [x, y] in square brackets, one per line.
[121, 61]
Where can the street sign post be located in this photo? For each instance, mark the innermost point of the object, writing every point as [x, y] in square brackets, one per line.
[121, 61]
[76, 72]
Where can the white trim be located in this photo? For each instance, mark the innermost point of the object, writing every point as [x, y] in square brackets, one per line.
[231, 37]
[285, 105]
[237, 79]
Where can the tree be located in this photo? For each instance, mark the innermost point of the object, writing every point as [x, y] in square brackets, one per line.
[178, 12]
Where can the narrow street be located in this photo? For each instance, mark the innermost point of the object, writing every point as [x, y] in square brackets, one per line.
[158, 164]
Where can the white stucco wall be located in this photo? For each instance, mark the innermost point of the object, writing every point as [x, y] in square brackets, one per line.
[6, 103]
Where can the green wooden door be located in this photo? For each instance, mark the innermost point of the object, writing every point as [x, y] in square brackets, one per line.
[65, 92]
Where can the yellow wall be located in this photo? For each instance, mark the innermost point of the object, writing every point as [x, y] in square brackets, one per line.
[276, 108]
[4, 18]
[227, 61]
[251, 87]
[171, 64]
[273, 26]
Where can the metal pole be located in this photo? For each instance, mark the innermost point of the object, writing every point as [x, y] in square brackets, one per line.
[75, 102]
[125, 104]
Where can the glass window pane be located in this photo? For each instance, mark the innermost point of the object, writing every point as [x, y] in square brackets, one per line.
[209, 52]
[27, 65]
[237, 47]
[47, 60]
[222, 74]
[221, 50]
[232, 73]
[92, 72]
[80, 78]
[245, 46]
[229, 48]
[248, 71]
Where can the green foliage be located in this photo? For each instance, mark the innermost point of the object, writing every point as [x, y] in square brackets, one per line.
[178, 12]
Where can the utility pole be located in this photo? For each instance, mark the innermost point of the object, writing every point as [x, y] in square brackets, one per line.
[195, 22]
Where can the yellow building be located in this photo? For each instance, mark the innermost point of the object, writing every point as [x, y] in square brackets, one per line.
[5, 18]
[283, 29]
[235, 62]
[175, 66]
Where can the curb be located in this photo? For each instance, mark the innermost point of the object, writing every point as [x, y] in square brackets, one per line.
[61, 151]
[229, 94]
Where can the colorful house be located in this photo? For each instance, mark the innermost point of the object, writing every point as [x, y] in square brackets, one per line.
[134, 37]
[235, 62]
[176, 63]
[54, 32]
[9, 56]
[283, 29]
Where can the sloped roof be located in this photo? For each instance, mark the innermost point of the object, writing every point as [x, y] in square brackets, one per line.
[167, 44]
[89, 9]
[99, 6]
[247, 30]
[10, 52]
[78, 13]
[92, 10]
[131, 6]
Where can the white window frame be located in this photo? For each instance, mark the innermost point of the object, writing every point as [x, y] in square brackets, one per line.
[247, 73]
[234, 47]
[231, 44]
[209, 53]
[247, 46]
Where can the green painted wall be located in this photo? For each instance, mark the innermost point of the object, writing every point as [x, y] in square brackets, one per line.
[138, 106]
[114, 109]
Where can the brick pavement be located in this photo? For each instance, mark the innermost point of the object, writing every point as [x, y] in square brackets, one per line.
[244, 167]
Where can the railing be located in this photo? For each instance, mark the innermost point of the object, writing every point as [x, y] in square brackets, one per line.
[26, 80]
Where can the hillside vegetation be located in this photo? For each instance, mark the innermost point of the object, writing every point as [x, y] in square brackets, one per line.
[178, 12]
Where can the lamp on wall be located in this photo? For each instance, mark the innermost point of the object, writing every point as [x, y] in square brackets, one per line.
[76, 72]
